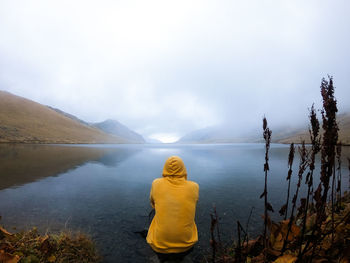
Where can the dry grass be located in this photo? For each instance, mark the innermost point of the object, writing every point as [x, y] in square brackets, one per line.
[30, 246]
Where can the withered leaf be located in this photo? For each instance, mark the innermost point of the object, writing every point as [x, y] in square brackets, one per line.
[8, 258]
[269, 207]
[266, 167]
[4, 233]
[286, 259]
[317, 194]
[283, 210]
[263, 194]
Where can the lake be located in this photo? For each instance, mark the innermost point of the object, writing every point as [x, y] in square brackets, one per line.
[103, 190]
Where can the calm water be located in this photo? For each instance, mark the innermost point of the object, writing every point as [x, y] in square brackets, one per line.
[103, 189]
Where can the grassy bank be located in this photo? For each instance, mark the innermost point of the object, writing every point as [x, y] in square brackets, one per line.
[31, 247]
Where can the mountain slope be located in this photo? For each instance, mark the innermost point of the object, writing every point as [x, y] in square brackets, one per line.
[116, 128]
[280, 134]
[23, 120]
[69, 115]
[219, 134]
[112, 127]
[303, 134]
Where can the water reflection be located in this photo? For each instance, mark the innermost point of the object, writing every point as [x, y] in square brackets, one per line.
[21, 164]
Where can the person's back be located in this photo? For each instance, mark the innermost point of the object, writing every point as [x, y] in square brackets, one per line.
[173, 229]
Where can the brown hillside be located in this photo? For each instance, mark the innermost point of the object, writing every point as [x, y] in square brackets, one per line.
[23, 120]
[344, 132]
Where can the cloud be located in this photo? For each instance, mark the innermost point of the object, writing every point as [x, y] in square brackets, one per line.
[168, 67]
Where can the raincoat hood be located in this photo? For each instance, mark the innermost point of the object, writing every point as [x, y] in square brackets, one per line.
[174, 167]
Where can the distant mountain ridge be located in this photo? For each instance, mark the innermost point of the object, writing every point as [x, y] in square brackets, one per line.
[282, 134]
[219, 134]
[109, 126]
[26, 121]
[116, 128]
[69, 115]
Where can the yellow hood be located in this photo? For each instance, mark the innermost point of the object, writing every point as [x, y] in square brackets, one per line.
[175, 168]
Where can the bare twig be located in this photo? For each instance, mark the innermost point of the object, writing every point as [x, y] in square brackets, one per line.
[302, 167]
[246, 237]
[315, 141]
[267, 206]
[349, 171]
[338, 151]
[213, 243]
[284, 208]
[238, 248]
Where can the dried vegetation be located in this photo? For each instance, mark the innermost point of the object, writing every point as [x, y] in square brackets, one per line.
[31, 247]
[317, 227]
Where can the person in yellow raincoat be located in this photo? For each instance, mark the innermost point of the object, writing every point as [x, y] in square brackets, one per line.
[173, 230]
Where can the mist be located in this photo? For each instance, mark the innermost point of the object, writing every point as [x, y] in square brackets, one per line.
[166, 68]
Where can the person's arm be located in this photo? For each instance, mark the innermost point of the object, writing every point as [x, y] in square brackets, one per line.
[151, 197]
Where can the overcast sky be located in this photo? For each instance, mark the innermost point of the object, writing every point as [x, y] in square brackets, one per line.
[165, 68]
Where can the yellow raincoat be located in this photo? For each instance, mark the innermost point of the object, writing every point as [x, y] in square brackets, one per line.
[173, 229]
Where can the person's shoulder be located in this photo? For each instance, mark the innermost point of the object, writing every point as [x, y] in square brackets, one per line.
[194, 189]
[157, 181]
[193, 184]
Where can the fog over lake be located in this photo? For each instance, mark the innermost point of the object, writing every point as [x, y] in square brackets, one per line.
[103, 189]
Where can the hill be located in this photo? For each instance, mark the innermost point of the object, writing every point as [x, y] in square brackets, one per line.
[25, 121]
[280, 134]
[303, 134]
[114, 127]
[219, 134]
